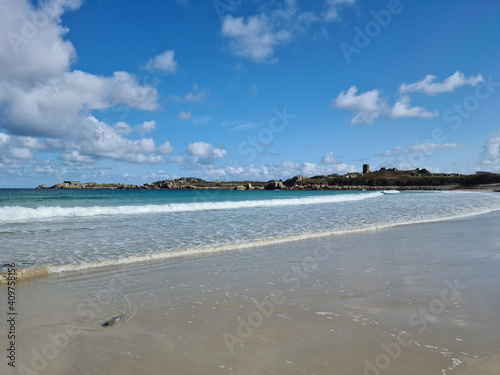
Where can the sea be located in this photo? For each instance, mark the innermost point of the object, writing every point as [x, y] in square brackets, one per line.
[53, 231]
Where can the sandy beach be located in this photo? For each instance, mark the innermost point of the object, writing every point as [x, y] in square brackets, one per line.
[414, 299]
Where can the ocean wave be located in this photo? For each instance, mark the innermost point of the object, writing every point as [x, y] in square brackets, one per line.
[206, 250]
[16, 213]
[391, 191]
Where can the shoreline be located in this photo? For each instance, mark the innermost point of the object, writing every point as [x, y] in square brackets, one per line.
[326, 305]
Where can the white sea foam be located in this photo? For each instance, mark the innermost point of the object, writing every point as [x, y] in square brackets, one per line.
[245, 245]
[390, 191]
[16, 213]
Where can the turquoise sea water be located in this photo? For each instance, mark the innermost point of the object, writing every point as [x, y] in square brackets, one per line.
[63, 230]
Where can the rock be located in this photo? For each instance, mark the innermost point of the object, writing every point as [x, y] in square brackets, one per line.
[41, 187]
[293, 181]
[250, 187]
[239, 187]
[274, 185]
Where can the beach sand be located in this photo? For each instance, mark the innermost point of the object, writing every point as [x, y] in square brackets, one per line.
[414, 299]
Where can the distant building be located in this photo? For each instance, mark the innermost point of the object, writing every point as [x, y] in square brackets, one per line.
[366, 168]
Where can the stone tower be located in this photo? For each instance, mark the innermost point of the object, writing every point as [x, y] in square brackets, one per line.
[366, 168]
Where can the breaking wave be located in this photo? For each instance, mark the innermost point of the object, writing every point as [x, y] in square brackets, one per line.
[17, 213]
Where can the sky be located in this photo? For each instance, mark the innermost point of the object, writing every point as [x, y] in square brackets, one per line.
[139, 91]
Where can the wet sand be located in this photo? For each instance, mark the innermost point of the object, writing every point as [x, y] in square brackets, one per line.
[416, 299]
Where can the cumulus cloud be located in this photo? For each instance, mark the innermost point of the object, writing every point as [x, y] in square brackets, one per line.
[205, 152]
[164, 62]
[47, 106]
[402, 109]
[75, 157]
[255, 38]
[258, 36]
[491, 150]
[368, 104]
[32, 48]
[52, 108]
[430, 87]
[39, 94]
[103, 141]
[146, 127]
[328, 158]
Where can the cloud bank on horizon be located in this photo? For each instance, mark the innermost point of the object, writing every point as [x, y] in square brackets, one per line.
[244, 90]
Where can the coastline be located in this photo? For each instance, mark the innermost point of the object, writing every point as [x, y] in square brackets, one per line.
[325, 305]
[378, 180]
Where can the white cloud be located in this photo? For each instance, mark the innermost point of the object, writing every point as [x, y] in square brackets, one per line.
[333, 8]
[75, 157]
[146, 127]
[491, 150]
[402, 109]
[21, 153]
[164, 62]
[290, 165]
[185, 115]
[328, 158]
[165, 148]
[100, 140]
[34, 51]
[369, 105]
[205, 150]
[52, 108]
[255, 38]
[4, 139]
[39, 94]
[430, 87]
[312, 169]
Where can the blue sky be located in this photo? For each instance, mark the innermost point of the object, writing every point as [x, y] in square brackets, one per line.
[135, 92]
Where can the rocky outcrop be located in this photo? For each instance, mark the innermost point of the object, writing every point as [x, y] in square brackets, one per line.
[68, 185]
[274, 185]
[294, 180]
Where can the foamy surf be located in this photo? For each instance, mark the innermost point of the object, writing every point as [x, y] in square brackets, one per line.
[207, 250]
[16, 213]
[390, 191]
